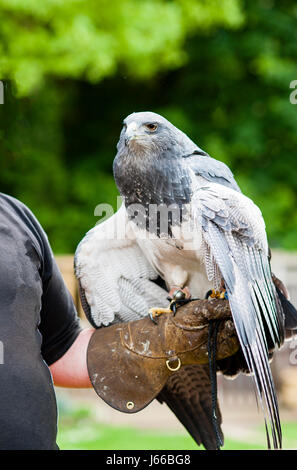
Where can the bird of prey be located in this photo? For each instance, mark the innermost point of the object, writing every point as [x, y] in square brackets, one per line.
[211, 237]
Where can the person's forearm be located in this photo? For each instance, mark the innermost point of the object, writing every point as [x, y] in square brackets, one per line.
[71, 369]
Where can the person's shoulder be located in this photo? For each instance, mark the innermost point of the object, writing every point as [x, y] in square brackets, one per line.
[15, 204]
[25, 219]
[24, 214]
[11, 200]
[11, 204]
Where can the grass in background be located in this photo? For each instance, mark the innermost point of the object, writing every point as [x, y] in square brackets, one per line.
[98, 436]
[80, 430]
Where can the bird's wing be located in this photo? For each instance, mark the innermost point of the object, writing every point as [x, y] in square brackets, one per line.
[210, 169]
[188, 394]
[115, 278]
[234, 234]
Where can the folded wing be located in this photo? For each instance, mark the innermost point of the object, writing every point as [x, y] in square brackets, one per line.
[236, 250]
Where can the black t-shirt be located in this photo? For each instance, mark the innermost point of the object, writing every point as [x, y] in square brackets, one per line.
[38, 324]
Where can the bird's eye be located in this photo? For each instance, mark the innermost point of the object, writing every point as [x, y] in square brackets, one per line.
[151, 126]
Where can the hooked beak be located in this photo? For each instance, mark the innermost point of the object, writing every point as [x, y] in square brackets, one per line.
[132, 133]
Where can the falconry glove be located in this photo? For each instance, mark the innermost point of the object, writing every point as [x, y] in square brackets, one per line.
[130, 363]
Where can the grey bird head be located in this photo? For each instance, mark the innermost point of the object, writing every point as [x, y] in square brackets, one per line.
[149, 167]
[155, 161]
[148, 133]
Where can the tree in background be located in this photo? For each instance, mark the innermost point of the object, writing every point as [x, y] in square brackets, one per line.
[219, 70]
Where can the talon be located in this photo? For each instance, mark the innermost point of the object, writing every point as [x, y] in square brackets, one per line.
[224, 295]
[216, 294]
[173, 307]
[156, 311]
[208, 293]
[176, 298]
[152, 318]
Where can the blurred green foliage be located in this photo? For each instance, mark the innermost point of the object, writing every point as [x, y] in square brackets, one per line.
[218, 69]
[91, 39]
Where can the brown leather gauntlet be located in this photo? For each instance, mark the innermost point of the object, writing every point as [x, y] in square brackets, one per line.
[129, 363]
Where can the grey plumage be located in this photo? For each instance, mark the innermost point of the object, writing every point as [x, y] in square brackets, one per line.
[115, 278]
[211, 169]
[158, 164]
[239, 248]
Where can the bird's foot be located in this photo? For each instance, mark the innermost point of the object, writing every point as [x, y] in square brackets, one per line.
[217, 294]
[155, 312]
[176, 297]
